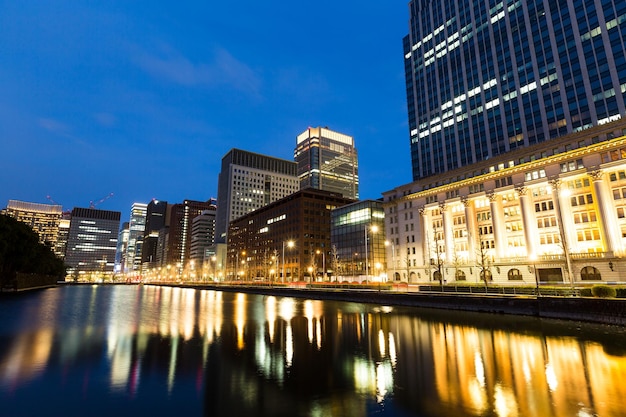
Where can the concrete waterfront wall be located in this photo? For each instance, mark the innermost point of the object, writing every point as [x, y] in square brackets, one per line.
[24, 282]
[593, 310]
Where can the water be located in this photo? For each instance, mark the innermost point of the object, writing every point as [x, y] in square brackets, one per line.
[143, 350]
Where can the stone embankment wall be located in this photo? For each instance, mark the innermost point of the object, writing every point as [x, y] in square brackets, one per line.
[594, 310]
[23, 282]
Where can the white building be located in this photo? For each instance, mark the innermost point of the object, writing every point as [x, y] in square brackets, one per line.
[554, 212]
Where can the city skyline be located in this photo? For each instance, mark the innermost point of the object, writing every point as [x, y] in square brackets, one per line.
[143, 102]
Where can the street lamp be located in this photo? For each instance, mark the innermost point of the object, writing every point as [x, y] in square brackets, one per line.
[323, 263]
[533, 258]
[290, 245]
[367, 271]
[393, 256]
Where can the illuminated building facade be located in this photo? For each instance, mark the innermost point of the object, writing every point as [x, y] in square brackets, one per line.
[92, 242]
[120, 251]
[296, 229]
[351, 225]
[249, 181]
[203, 236]
[327, 160]
[554, 212]
[136, 228]
[42, 218]
[486, 78]
[178, 233]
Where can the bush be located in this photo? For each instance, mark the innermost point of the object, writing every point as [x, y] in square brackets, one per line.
[603, 291]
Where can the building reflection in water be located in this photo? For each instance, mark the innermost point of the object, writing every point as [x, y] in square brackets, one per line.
[239, 354]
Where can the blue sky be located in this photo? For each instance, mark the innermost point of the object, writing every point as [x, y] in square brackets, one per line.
[142, 99]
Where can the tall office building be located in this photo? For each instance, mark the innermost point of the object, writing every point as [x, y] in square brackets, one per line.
[249, 181]
[42, 218]
[156, 216]
[136, 227]
[92, 242]
[177, 243]
[120, 251]
[327, 160]
[484, 78]
[203, 237]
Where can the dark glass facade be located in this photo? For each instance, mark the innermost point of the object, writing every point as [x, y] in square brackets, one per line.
[350, 226]
[487, 77]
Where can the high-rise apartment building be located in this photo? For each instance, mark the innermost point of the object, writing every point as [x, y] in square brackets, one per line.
[136, 227]
[484, 78]
[249, 181]
[42, 218]
[92, 242]
[327, 160]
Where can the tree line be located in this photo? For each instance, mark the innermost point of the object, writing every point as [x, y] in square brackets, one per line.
[21, 251]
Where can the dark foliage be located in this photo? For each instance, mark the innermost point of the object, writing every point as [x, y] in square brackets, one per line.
[21, 251]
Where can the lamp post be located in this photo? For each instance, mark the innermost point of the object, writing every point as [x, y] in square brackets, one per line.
[323, 263]
[289, 245]
[533, 258]
[367, 271]
[393, 256]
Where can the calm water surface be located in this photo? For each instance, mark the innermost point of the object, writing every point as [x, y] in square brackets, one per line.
[152, 351]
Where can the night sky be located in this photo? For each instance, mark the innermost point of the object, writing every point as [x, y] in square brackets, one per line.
[142, 99]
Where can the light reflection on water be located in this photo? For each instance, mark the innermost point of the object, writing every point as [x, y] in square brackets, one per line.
[168, 351]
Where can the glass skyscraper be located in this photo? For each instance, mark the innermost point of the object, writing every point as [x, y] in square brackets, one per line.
[487, 77]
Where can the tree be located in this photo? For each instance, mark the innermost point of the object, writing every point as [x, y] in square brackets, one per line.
[21, 251]
[483, 259]
[334, 261]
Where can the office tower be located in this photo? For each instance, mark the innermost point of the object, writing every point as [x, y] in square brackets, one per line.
[485, 78]
[249, 181]
[42, 218]
[327, 160]
[120, 251]
[287, 240]
[136, 227]
[203, 237]
[156, 216]
[92, 243]
[177, 243]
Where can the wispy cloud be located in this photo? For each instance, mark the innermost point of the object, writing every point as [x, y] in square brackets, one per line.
[54, 126]
[105, 119]
[60, 129]
[223, 70]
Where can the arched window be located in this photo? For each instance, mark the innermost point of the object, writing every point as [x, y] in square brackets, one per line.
[514, 275]
[437, 276]
[396, 276]
[589, 273]
[459, 275]
[412, 277]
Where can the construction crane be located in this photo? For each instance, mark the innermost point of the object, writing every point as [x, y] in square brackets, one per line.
[57, 204]
[92, 205]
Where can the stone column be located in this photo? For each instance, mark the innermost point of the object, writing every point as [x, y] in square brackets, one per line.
[472, 228]
[607, 218]
[426, 234]
[530, 222]
[448, 232]
[497, 221]
[562, 207]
